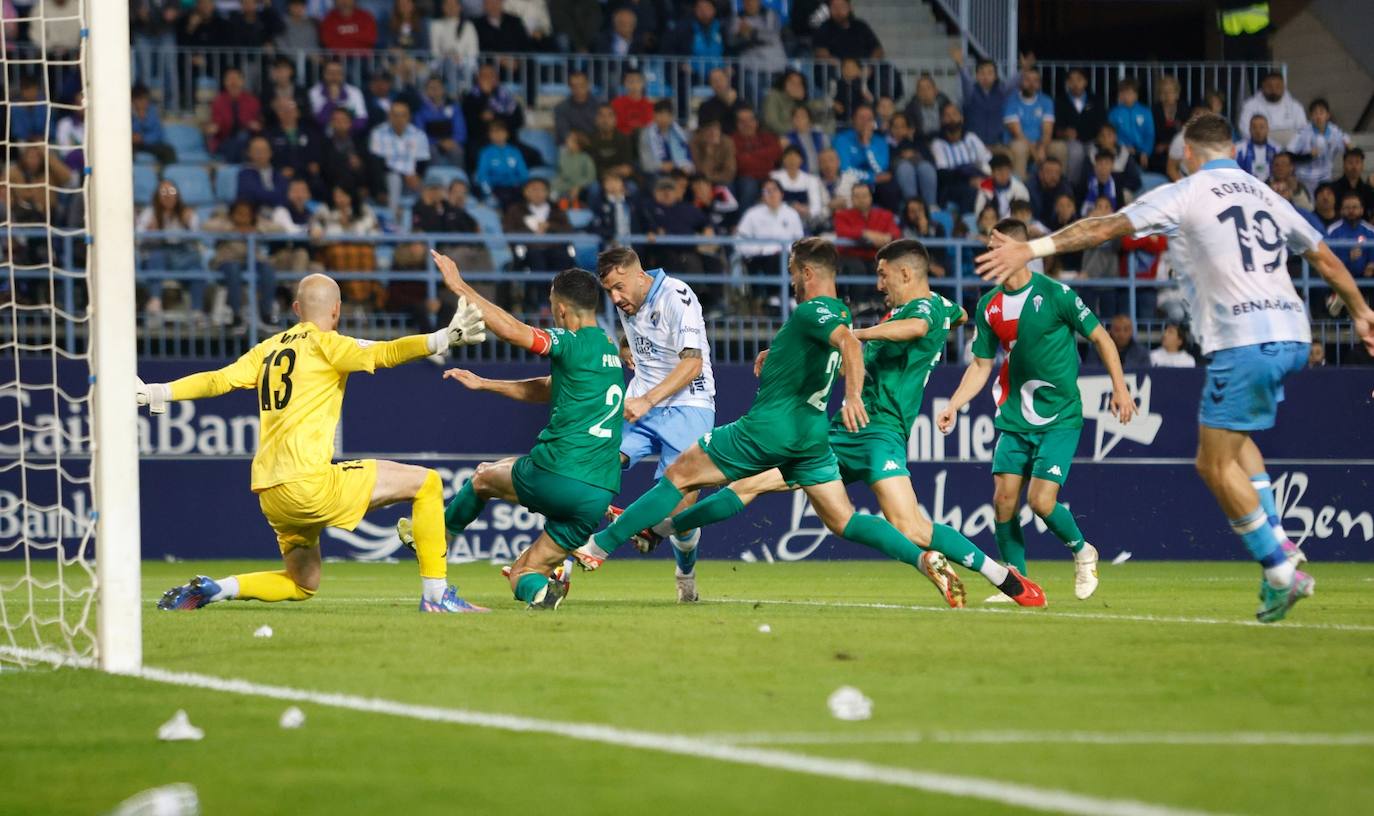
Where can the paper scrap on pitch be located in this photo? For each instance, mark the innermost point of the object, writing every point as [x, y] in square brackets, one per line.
[1121, 557]
[179, 729]
[263, 631]
[765, 628]
[292, 718]
[848, 703]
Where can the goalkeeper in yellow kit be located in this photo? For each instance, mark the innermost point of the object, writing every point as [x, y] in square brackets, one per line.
[299, 375]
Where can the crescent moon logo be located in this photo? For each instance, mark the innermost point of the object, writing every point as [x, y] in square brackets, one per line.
[1028, 402]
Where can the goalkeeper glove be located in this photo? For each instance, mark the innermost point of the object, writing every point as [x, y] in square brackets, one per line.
[153, 395]
[465, 329]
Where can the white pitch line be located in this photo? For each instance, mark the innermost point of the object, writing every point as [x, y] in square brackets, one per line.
[1053, 614]
[1230, 739]
[990, 790]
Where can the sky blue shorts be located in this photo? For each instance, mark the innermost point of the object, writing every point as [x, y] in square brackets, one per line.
[1245, 385]
[666, 432]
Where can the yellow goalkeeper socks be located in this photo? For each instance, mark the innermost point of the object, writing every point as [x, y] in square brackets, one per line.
[431, 547]
[271, 587]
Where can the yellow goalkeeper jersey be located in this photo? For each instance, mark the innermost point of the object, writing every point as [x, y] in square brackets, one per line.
[299, 376]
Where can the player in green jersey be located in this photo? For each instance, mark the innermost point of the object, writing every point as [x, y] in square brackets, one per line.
[899, 354]
[573, 471]
[1033, 319]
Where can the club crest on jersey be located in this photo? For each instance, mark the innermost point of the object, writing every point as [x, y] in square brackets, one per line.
[1037, 300]
[653, 318]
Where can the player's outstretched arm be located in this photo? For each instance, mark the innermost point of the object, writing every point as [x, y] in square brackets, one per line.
[1006, 255]
[1123, 404]
[1334, 273]
[853, 413]
[975, 377]
[688, 368]
[538, 389]
[498, 320]
[242, 373]
[910, 328]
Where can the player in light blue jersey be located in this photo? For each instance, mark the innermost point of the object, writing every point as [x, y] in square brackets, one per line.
[1229, 237]
[671, 401]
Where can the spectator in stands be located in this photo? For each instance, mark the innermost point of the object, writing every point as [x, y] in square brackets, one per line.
[771, 220]
[231, 262]
[651, 17]
[576, 172]
[1352, 179]
[1353, 228]
[377, 98]
[577, 111]
[29, 114]
[866, 153]
[1124, 163]
[1316, 355]
[1078, 115]
[836, 183]
[295, 217]
[348, 29]
[199, 28]
[914, 174]
[611, 150]
[534, 214]
[845, 36]
[985, 98]
[452, 37]
[403, 150]
[576, 25]
[1065, 212]
[724, 104]
[1135, 125]
[501, 168]
[633, 110]
[755, 35]
[147, 127]
[999, 188]
[611, 211]
[923, 110]
[713, 153]
[332, 92]
[916, 223]
[1172, 351]
[488, 101]
[534, 15]
[343, 159]
[69, 137]
[442, 121]
[1285, 189]
[624, 38]
[802, 191]
[663, 145]
[756, 155]
[1256, 154]
[1029, 122]
[259, 183]
[866, 224]
[1284, 171]
[718, 204]
[1103, 184]
[666, 213]
[1318, 146]
[1324, 205]
[1133, 354]
[1284, 113]
[849, 91]
[406, 28]
[1045, 187]
[456, 219]
[1168, 115]
[165, 213]
[281, 83]
[295, 146]
[235, 117]
[350, 217]
[961, 160]
[700, 34]
[1174, 165]
[299, 32]
[810, 140]
[253, 25]
[787, 94]
[501, 32]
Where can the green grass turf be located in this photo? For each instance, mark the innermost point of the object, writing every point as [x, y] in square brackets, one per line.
[620, 652]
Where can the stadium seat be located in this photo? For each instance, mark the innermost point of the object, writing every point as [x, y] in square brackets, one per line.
[145, 184]
[543, 142]
[144, 158]
[1149, 181]
[546, 173]
[188, 142]
[207, 211]
[444, 174]
[193, 180]
[490, 222]
[971, 222]
[580, 219]
[226, 183]
[945, 220]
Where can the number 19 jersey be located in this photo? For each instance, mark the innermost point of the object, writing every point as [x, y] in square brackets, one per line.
[1229, 238]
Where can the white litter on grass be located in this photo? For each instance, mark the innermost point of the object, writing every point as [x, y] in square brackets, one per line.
[263, 631]
[765, 628]
[179, 799]
[292, 717]
[848, 703]
[1121, 557]
[179, 729]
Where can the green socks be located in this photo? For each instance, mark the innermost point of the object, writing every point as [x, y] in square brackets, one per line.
[462, 509]
[646, 511]
[952, 544]
[876, 532]
[1011, 543]
[529, 585]
[719, 506]
[1061, 523]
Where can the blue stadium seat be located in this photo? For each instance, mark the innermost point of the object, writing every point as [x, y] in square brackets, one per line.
[207, 211]
[543, 142]
[145, 184]
[1149, 181]
[444, 174]
[971, 221]
[188, 142]
[945, 220]
[144, 158]
[227, 183]
[580, 219]
[545, 173]
[193, 180]
[490, 222]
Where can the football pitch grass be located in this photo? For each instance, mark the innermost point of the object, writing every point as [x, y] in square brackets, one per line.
[1157, 696]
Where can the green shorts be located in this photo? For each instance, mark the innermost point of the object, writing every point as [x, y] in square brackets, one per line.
[1044, 455]
[741, 453]
[572, 510]
[868, 455]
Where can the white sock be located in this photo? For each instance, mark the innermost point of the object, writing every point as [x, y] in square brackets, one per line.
[228, 589]
[665, 528]
[434, 588]
[1280, 534]
[1281, 576]
[994, 572]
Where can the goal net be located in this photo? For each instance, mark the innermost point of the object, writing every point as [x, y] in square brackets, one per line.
[68, 504]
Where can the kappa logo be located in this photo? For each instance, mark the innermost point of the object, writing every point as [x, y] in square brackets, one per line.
[706, 437]
[1096, 393]
[1055, 471]
[890, 465]
[994, 309]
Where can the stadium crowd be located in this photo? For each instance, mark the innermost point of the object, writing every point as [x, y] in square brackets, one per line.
[405, 149]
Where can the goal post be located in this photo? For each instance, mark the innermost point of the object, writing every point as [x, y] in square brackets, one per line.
[114, 425]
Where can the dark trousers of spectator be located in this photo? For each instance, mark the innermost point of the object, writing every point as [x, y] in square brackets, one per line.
[747, 191]
[232, 148]
[234, 274]
[164, 153]
[505, 196]
[888, 194]
[955, 189]
[547, 258]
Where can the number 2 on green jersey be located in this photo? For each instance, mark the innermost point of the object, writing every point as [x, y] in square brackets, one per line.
[818, 399]
[615, 397]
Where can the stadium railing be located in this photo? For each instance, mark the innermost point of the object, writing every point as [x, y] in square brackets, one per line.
[737, 337]
[988, 26]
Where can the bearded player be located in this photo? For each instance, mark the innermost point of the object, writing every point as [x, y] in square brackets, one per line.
[1033, 319]
[1229, 236]
[300, 375]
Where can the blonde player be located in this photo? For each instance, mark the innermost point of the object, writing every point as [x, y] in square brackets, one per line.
[299, 375]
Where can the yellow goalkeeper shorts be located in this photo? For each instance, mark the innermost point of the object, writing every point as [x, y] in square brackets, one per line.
[337, 496]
